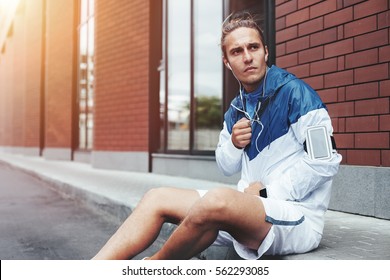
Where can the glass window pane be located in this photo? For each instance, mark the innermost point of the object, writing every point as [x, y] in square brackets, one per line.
[83, 40]
[84, 11]
[207, 74]
[178, 74]
[86, 74]
[89, 128]
[162, 107]
[91, 36]
[83, 82]
[82, 130]
[90, 77]
[91, 7]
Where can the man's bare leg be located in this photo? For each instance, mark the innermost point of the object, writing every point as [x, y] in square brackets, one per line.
[143, 226]
[240, 214]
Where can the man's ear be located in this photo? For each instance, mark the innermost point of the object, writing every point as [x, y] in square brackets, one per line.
[266, 54]
[227, 64]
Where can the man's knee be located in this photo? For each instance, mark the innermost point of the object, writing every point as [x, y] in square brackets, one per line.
[155, 197]
[218, 200]
[170, 203]
[212, 208]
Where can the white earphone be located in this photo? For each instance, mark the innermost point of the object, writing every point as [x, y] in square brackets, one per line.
[228, 66]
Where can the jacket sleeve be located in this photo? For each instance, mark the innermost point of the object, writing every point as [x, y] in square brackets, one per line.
[228, 157]
[305, 175]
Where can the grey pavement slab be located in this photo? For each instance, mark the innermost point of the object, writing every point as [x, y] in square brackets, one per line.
[352, 237]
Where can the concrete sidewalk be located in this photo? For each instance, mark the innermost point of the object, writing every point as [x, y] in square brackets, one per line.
[346, 236]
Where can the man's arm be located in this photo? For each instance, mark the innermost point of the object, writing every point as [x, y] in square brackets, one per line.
[241, 133]
[307, 174]
[228, 155]
[254, 188]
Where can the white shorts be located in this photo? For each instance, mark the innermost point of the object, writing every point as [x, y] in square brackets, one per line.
[290, 233]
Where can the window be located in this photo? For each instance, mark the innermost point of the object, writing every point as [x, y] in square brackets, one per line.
[194, 86]
[207, 74]
[86, 74]
[179, 74]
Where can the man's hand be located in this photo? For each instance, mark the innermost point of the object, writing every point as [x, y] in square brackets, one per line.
[241, 133]
[254, 188]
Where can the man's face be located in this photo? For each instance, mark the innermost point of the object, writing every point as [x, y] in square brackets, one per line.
[247, 56]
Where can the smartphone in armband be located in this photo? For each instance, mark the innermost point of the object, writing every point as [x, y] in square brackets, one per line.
[319, 145]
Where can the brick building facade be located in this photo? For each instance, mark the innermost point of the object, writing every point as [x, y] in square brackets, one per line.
[340, 47]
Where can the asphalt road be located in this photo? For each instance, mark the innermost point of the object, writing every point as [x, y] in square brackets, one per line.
[37, 223]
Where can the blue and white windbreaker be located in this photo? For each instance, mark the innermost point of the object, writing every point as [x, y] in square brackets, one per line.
[277, 157]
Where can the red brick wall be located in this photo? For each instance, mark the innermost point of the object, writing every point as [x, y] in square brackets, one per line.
[20, 74]
[33, 17]
[19, 79]
[121, 75]
[59, 73]
[341, 48]
[6, 89]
